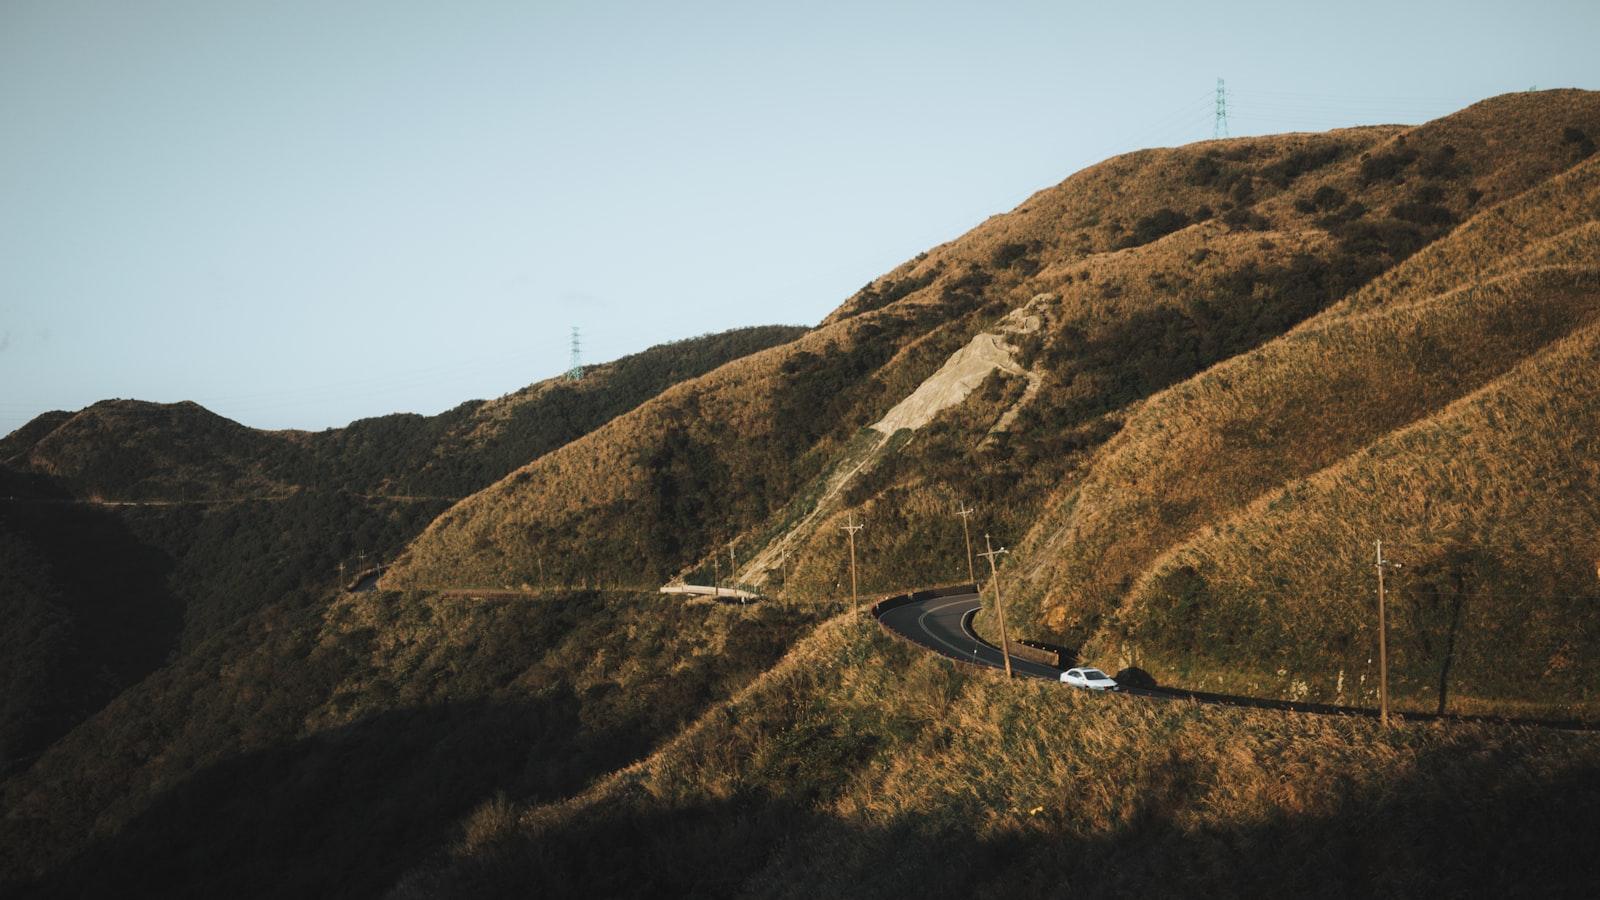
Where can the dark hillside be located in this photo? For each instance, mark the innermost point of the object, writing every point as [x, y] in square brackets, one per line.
[86, 613]
[213, 521]
[862, 767]
[325, 751]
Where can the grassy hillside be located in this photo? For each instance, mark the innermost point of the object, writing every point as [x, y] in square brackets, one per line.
[132, 450]
[862, 767]
[462, 451]
[226, 520]
[322, 751]
[1201, 381]
[1216, 321]
[721, 456]
[1490, 503]
[1400, 351]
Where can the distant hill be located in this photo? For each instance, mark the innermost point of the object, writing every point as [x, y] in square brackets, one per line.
[224, 520]
[129, 450]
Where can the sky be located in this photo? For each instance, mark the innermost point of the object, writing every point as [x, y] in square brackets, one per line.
[303, 213]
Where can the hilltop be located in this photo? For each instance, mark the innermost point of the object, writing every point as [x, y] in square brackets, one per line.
[1292, 300]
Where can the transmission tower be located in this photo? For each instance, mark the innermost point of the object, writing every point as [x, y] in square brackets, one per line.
[1220, 130]
[575, 371]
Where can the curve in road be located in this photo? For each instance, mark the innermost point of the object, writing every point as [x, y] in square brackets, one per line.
[944, 625]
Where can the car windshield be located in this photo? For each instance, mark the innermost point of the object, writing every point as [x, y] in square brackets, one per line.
[1092, 674]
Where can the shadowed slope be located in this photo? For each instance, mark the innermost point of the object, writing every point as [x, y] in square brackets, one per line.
[860, 766]
[324, 751]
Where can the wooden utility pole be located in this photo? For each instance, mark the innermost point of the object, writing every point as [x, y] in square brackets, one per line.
[966, 535]
[999, 608]
[733, 573]
[716, 576]
[1383, 641]
[852, 528]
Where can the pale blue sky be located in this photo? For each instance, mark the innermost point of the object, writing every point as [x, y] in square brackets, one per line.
[300, 213]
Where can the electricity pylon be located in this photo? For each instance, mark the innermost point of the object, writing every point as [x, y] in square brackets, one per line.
[575, 369]
[1220, 129]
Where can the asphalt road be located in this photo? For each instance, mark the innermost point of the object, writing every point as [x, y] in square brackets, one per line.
[943, 625]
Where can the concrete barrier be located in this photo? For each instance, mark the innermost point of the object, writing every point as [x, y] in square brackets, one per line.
[1035, 651]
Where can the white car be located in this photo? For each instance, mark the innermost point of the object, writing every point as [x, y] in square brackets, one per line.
[1093, 679]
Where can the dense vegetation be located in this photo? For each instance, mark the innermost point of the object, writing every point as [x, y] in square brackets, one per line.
[1217, 290]
[1205, 380]
[863, 767]
[129, 450]
[1229, 461]
[226, 520]
[325, 751]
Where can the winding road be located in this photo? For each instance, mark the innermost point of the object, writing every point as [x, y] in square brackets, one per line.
[944, 625]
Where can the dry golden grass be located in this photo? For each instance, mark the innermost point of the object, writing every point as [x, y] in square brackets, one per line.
[861, 767]
[362, 732]
[737, 455]
[1508, 472]
[1420, 337]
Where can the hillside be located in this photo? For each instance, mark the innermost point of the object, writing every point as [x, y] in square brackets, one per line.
[323, 750]
[861, 767]
[1290, 300]
[1187, 389]
[131, 530]
[1476, 318]
[128, 450]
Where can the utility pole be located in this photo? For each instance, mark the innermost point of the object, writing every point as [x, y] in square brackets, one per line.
[1220, 128]
[783, 566]
[999, 608]
[1383, 641]
[966, 535]
[716, 575]
[852, 528]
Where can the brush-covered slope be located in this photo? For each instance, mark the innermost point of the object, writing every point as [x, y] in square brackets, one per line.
[131, 531]
[749, 449]
[133, 450]
[1099, 294]
[1477, 316]
[137, 451]
[461, 451]
[321, 752]
[862, 767]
